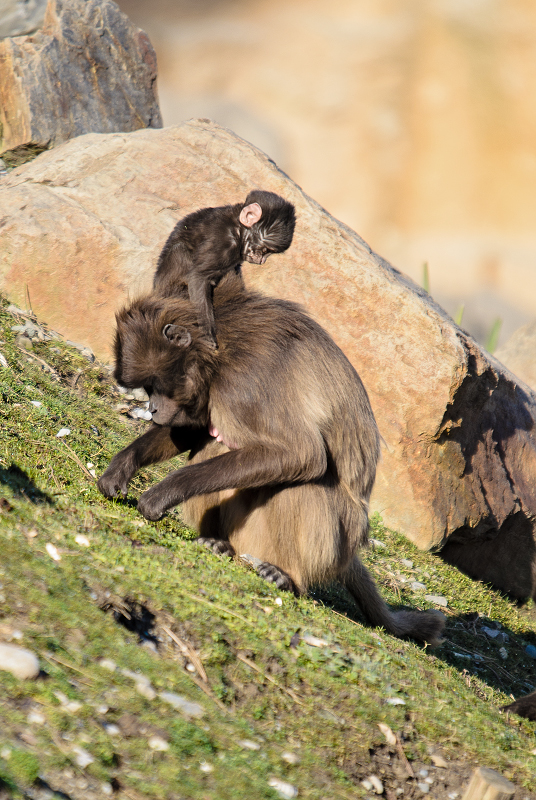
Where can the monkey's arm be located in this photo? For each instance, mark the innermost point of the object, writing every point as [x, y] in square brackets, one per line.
[158, 444]
[247, 468]
[201, 291]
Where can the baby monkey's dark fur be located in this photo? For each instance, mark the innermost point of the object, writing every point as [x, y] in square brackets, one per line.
[208, 243]
[287, 473]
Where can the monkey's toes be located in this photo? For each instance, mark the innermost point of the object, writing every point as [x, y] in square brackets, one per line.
[275, 575]
[218, 546]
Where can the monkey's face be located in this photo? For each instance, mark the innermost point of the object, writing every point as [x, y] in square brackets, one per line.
[267, 226]
[161, 360]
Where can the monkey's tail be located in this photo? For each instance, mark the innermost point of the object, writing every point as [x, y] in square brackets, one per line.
[424, 626]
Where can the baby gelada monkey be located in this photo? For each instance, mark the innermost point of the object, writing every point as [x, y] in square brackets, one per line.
[208, 243]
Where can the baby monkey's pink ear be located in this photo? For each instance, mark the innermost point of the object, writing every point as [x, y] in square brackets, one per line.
[250, 214]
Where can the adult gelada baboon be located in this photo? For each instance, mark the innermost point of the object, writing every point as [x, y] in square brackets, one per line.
[282, 439]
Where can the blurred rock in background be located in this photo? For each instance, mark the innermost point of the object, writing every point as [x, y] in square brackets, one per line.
[18, 17]
[87, 69]
[414, 123]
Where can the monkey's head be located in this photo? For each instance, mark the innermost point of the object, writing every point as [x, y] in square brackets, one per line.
[267, 226]
[158, 347]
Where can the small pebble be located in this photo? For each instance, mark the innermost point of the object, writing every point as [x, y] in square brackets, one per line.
[377, 785]
[439, 761]
[52, 550]
[182, 704]
[20, 662]
[205, 767]
[158, 744]
[278, 601]
[377, 544]
[407, 563]
[530, 650]
[36, 718]
[83, 758]
[314, 641]
[140, 413]
[140, 395]
[113, 730]
[423, 773]
[146, 691]
[437, 600]
[63, 432]
[388, 733]
[36, 403]
[290, 758]
[395, 701]
[424, 787]
[503, 652]
[81, 540]
[416, 586]
[284, 789]
[249, 745]
[107, 789]
[107, 663]
[366, 784]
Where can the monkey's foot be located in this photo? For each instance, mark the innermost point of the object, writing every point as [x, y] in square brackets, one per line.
[275, 575]
[221, 547]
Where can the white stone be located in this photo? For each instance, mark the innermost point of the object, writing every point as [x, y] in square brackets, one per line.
[158, 744]
[180, 703]
[52, 550]
[284, 789]
[83, 758]
[249, 745]
[20, 662]
[107, 663]
[377, 785]
[437, 600]
[290, 758]
[63, 432]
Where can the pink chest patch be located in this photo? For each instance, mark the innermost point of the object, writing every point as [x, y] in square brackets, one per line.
[214, 432]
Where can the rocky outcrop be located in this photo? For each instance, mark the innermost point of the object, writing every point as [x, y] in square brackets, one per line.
[88, 69]
[82, 227]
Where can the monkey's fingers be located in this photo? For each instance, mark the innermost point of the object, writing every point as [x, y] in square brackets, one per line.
[275, 575]
[111, 487]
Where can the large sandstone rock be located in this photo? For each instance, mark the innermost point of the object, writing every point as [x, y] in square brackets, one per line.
[82, 227]
[88, 69]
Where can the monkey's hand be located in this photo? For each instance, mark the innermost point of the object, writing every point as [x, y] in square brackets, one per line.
[115, 480]
[152, 505]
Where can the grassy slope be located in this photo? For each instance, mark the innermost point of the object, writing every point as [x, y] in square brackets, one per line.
[322, 704]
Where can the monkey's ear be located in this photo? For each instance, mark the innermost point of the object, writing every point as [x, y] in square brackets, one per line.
[177, 335]
[250, 215]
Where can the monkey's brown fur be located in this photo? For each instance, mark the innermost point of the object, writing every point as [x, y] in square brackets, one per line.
[290, 480]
